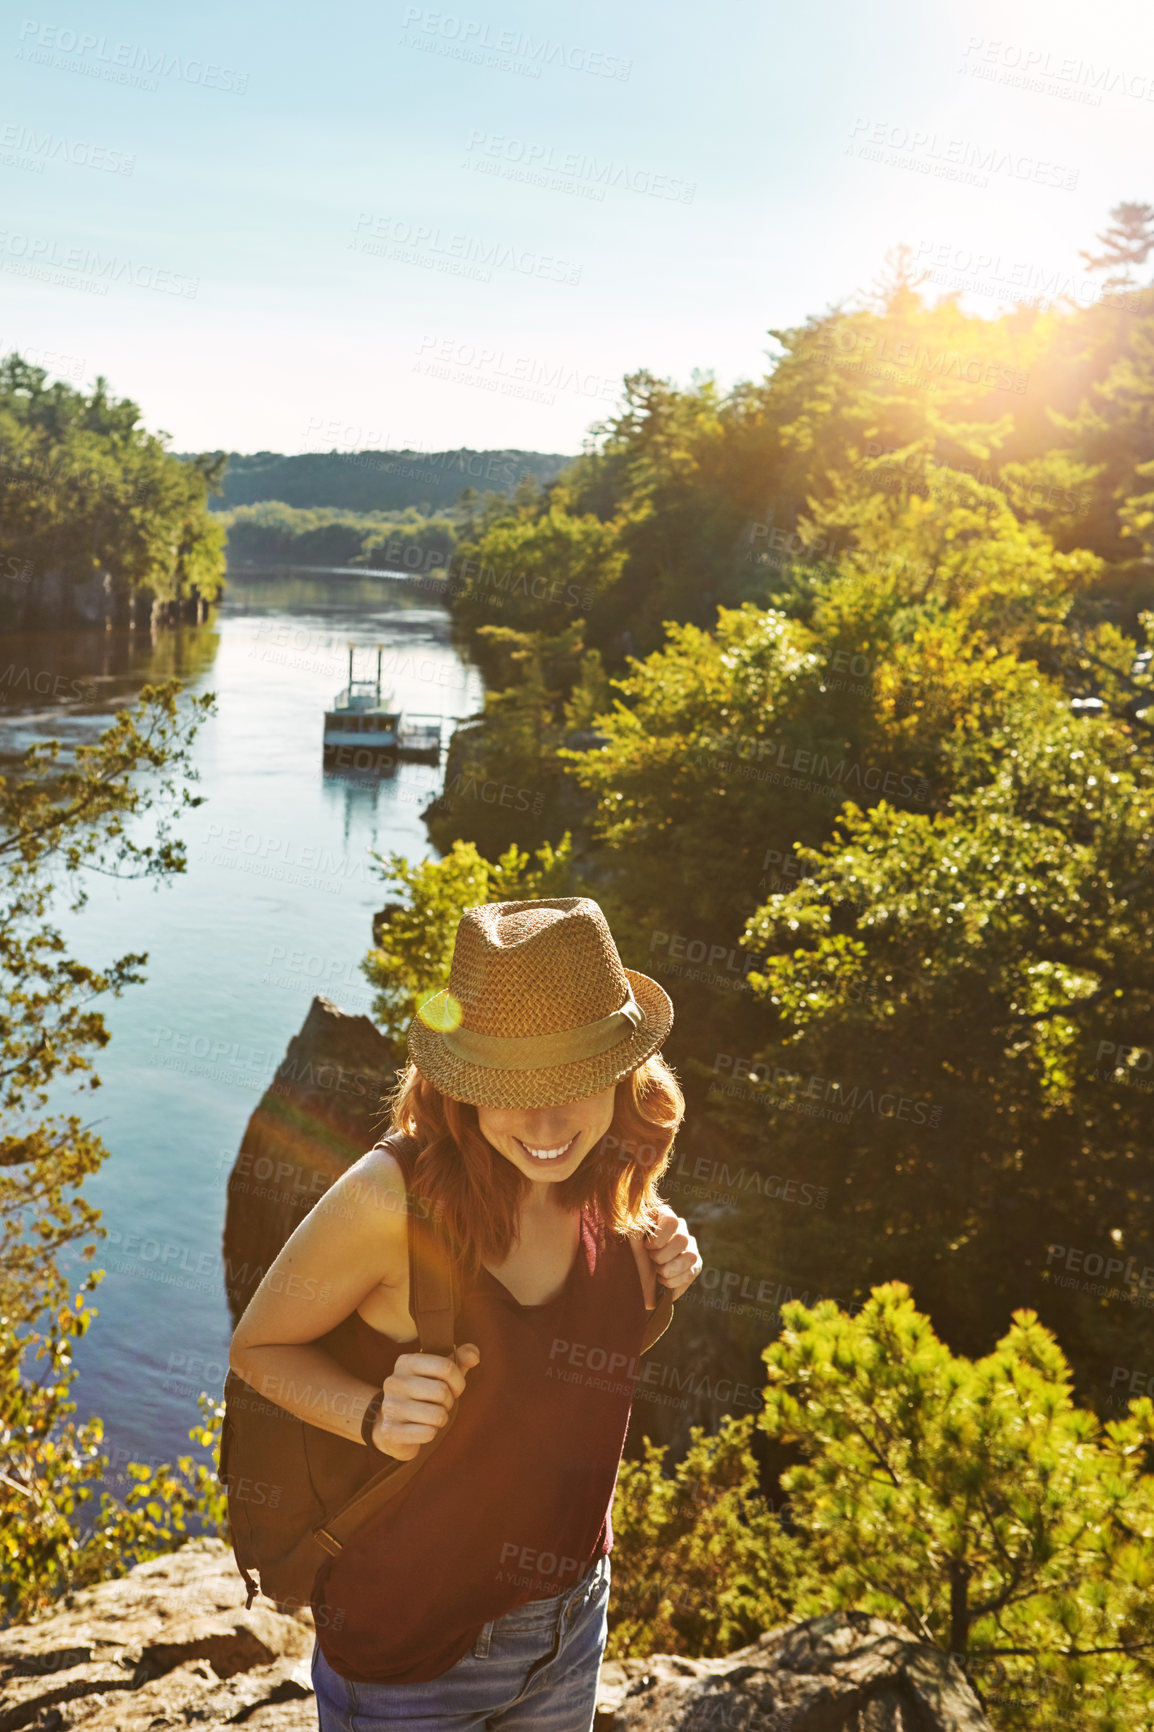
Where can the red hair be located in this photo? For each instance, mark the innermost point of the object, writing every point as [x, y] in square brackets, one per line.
[475, 1194]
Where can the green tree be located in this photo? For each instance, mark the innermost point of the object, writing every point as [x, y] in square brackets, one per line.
[972, 1501]
[272, 533]
[538, 562]
[971, 988]
[504, 782]
[61, 1528]
[1127, 241]
[61, 819]
[1110, 431]
[84, 488]
[701, 1563]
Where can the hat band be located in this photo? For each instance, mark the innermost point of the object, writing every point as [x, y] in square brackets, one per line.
[540, 1051]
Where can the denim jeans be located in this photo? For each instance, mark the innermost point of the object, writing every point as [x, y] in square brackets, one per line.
[534, 1670]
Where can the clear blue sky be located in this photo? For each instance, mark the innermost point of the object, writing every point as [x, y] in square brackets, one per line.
[298, 256]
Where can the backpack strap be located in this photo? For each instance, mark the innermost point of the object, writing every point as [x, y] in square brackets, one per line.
[660, 1318]
[433, 1296]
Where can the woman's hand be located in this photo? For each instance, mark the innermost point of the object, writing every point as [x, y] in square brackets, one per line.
[419, 1397]
[673, 1252]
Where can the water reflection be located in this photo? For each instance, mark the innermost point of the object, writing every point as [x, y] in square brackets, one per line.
[276, 905]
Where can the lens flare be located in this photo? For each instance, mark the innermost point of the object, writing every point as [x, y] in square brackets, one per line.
[439, 1010]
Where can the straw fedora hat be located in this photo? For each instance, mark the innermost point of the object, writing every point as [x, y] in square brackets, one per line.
[538, 1010]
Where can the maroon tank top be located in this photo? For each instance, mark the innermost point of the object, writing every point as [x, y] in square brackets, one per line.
[515, 1502]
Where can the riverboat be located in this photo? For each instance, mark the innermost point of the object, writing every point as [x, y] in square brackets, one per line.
[364, 731]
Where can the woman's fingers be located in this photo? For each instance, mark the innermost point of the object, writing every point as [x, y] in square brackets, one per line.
[428, 1367]
[402, 1412]
[680, 1272]
[419, 1395]
[432, 1389]
[402, 1441]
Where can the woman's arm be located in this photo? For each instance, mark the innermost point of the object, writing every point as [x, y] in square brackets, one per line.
[354, 1239]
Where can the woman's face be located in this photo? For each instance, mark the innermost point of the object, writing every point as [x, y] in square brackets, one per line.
[548, 1143]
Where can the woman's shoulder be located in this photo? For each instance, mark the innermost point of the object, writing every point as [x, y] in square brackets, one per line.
[380, 1179]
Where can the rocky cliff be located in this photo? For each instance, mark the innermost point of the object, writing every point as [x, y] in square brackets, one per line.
[170, 1644]
[321, 1112]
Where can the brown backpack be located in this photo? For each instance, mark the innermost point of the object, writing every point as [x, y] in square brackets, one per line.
[297, 1492]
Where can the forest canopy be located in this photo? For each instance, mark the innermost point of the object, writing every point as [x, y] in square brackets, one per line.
[853, 726]
[85, 489]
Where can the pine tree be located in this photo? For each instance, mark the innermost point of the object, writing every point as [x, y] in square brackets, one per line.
[1126, 242]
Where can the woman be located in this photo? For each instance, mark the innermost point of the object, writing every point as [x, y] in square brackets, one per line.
[541, 1117]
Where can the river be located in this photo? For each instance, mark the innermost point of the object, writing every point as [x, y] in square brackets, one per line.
[275, 906]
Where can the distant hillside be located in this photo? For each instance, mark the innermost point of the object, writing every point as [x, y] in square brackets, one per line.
[380, 480]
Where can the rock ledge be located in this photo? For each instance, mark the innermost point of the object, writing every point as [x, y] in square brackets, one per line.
[171, 1645]
[844, 1672]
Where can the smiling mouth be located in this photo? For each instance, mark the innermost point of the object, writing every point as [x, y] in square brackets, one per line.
[547, 1156]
